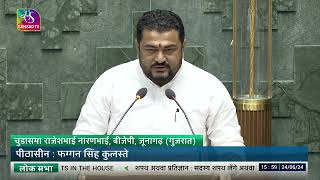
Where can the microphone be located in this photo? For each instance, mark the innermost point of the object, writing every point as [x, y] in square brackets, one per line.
[171, 95]
[139, 95]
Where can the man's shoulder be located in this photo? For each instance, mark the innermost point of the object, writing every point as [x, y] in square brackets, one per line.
[200, 74]
[121, 70]
[204, 80]
[206, 86]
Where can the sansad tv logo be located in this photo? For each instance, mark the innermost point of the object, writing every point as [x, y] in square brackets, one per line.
[28, 20]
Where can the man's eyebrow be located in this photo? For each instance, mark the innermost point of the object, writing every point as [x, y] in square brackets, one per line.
[149, 46]
[170, 46]
[154, 46]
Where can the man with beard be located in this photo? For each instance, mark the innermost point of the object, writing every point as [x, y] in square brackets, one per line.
[160, 43]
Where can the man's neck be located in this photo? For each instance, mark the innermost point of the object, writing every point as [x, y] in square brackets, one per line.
[160, 84]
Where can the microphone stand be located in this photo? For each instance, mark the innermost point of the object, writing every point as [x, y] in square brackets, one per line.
[124, 114]
[184, 115]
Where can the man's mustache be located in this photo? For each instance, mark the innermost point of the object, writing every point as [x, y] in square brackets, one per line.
[162, 65]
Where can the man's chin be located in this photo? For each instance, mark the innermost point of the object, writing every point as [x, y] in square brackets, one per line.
[158, 77]
[159, 80]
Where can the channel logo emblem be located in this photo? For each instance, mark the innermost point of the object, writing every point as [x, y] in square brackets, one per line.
[28, 20]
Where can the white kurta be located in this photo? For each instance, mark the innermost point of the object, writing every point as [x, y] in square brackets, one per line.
[203, 97]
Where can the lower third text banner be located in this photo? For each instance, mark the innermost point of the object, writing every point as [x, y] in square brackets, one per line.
[274, 169]
[208, 153]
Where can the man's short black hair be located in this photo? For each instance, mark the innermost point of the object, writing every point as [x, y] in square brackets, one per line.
[160, 21]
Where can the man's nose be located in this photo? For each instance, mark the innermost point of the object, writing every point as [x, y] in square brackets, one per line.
[160, 58]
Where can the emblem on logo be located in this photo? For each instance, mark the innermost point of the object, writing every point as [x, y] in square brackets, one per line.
[28, 20]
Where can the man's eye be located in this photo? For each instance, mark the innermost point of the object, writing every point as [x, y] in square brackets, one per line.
[151, 50]
[170, 50]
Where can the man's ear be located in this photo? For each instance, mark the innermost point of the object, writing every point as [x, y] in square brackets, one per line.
[137, 48]
[184, 44]
[137, 45]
